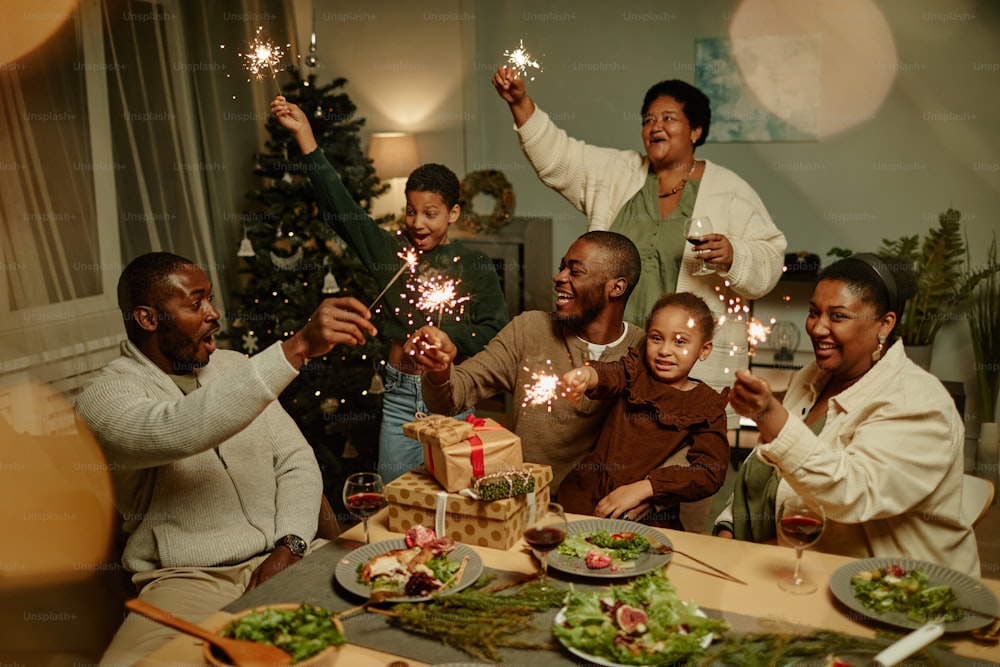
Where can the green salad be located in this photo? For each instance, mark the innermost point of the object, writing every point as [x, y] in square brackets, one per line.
[620, 548]
[892, 588]
[301, 632]
[641, 623]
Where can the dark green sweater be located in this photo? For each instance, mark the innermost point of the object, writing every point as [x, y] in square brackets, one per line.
[485, 312]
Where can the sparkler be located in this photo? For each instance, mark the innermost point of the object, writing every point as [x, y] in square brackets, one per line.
[543, 390]
[521, 60]
[440, 294]
[263, 54]
[757, 333]
[410, 259]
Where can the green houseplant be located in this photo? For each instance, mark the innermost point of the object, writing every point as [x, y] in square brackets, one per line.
[937, 261]
[980, 292]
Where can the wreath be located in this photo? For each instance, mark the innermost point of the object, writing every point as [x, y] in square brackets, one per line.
[495, 184]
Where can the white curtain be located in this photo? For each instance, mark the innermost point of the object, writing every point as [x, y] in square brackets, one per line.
[130, 130]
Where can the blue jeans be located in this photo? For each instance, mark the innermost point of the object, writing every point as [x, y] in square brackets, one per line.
[401, 402]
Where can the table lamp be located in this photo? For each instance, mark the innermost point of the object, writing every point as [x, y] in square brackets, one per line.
[394, 155]
[785, 338]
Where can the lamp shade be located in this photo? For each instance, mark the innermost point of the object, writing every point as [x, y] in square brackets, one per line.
[394, 154]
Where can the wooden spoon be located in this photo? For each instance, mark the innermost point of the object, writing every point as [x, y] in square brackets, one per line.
[240, 652]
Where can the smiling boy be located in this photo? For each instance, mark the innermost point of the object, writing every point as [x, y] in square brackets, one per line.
[432, 193]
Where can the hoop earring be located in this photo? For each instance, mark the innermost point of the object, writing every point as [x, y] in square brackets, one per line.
[877, 354]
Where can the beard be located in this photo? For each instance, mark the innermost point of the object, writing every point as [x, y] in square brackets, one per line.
[179, 349]
[590, 307]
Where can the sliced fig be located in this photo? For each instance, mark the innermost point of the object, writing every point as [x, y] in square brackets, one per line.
[631, 620]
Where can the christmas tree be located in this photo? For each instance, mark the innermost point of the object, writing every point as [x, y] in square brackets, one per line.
[293, 260]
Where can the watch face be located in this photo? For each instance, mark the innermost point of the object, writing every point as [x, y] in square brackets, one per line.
[296, 544]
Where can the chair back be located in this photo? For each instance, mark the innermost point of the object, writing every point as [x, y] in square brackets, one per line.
[977, 496]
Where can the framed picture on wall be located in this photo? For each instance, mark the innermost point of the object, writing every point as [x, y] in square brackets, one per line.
[763, 89]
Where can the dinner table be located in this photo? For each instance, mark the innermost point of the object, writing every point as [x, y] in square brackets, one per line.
[755, 605]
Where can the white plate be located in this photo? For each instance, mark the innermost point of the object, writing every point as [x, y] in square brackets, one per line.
[646, 562]
[561, 617]
[347, 569]
[968, 593]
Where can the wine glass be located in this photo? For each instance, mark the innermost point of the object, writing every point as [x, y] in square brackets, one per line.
[694, 229]
[363, 496]
[546, 533]
[800, 522]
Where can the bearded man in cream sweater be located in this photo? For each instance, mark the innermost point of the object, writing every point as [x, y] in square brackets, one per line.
[217, 487]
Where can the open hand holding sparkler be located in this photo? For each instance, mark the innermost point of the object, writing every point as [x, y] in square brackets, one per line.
[578, 381]
[431, 349]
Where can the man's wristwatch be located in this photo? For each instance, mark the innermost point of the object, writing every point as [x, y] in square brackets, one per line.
[294, 543]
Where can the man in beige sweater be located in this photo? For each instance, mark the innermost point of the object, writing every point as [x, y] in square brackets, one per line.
[592, 286]
[216, 485]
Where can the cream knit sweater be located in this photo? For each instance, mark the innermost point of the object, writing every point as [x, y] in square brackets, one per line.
[211, 478]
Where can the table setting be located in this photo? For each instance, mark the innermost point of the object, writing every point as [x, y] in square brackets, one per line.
[758, 607]
[438, 574]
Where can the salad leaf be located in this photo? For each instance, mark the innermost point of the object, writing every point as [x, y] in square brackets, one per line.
[302, 632]
[892, 588]
[673, 630]
[619, 546]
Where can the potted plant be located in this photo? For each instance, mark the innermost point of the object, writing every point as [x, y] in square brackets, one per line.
[980, 292]
[937, 261]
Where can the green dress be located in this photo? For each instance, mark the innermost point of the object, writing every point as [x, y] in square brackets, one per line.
[754, 497]
[660, 243]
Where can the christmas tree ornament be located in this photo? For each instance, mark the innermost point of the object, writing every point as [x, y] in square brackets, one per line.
[250, 343]
[330, 285]
[287, 263]
[246, 248]
[329, 405]
[377, 387]
[350, 451]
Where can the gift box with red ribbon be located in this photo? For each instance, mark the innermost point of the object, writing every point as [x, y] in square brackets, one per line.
[416, 499]
[485, 447]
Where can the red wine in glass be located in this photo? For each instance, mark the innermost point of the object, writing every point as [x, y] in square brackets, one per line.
[694, 230]
[801, 531]
[546, 533]
[365, 504]
[363, 496]
[544, 538]
[801, 522]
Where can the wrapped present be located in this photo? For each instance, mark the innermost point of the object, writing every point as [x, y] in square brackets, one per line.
[488, 447]
[417, 499]
[503, 484]
[438, 430]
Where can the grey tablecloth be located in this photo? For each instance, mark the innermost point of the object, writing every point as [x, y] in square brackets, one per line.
[312, 580]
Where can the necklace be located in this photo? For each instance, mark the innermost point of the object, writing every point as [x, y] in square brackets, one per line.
[680, 186]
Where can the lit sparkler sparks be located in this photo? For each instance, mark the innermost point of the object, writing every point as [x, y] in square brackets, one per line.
[757, 333]
[521, 60]
[440, 294]
[261, 55]
[543, 390]
[410, 259]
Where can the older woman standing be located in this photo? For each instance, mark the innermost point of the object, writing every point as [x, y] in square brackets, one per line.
[864, 432]
[647, 197]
